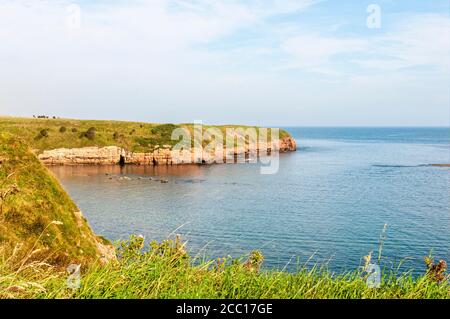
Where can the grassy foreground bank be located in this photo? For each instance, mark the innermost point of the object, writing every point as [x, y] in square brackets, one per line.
[166, 271]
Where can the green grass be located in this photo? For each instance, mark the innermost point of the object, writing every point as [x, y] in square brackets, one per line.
[41, 234]
[167, 271]
[47, 134]
[36, 214]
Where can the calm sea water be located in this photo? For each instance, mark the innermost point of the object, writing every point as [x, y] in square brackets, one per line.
[327, 204]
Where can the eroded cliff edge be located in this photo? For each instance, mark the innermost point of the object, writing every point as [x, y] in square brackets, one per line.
[112, 155]
[37, 216]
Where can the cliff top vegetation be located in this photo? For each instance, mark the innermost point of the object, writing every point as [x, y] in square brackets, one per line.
[52, 133]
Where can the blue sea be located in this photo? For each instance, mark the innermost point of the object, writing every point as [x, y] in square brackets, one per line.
[327, 205]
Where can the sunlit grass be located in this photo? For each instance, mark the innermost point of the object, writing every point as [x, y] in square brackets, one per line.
[35, 211]
[48, 134]
[166, 271]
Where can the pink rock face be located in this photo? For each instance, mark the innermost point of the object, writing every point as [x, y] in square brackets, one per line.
[288, 144]
[112, 155]
[86, 155]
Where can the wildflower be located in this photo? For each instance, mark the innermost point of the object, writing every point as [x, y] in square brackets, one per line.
[255, 261]
[436, 272]
[220, 264]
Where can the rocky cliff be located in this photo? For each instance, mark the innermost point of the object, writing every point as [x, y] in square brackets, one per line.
[111, 155]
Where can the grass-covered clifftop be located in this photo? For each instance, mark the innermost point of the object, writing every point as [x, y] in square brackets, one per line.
[37, 217]
[48, 134]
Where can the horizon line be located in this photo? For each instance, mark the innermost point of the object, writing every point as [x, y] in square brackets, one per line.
[248, 124]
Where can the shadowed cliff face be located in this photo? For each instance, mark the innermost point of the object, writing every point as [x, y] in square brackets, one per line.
[112, 155]
[37, 215]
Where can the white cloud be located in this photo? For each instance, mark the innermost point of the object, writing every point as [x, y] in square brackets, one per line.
[421, 40]
[313, 51]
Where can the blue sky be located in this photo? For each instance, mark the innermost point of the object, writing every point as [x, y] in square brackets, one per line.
[264, 62]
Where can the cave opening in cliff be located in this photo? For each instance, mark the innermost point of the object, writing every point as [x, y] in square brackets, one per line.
[122, 160]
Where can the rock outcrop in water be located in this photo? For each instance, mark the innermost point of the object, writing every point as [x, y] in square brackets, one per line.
[111, 155]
